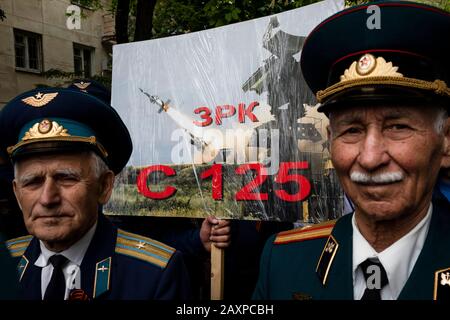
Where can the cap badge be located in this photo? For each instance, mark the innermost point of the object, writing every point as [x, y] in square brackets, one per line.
[39, 99]
[368, 65]
[45, 126]
[45, 129]
[82, 85]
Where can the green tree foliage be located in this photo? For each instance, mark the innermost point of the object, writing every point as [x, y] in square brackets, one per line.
[174, 17]
[67, 78]
[443, 4]
[90, 4]
[145, 19]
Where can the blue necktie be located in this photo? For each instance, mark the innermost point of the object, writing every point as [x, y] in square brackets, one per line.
[56, 288]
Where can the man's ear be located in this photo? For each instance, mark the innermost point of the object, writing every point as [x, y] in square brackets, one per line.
[328, 132]
[106, 186]
[445, 162]
[329, 138]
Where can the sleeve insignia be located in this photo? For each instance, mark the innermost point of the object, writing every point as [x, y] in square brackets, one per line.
[143, 248]
[310, 232]
[39, 100]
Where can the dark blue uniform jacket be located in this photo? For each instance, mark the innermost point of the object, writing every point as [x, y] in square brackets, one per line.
[117, 265]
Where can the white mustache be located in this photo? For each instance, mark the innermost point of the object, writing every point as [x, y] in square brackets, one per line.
[381, 178]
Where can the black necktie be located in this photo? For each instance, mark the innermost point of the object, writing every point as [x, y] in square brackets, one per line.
[56, 288]
[376, 279]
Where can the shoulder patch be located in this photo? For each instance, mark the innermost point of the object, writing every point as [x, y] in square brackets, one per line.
[143, 248]
[311, 232]
[17, 246]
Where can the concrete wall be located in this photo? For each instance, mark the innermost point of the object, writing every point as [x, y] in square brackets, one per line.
[47, 18]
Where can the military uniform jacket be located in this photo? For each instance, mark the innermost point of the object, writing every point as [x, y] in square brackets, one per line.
[316, 262]
[117, 265]
[9, 284]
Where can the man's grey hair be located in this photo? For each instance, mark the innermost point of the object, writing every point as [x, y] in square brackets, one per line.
[100, 166]
[440, 120]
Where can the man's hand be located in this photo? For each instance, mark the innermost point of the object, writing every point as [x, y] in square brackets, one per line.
[215, 231]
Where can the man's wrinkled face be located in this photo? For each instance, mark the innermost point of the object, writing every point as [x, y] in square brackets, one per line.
[59, 196]
[387, 158]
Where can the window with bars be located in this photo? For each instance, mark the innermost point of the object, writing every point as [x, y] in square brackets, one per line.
[82, 60]
[28, 50]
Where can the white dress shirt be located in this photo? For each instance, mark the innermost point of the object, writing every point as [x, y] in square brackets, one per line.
[71, 270]
[398, 259]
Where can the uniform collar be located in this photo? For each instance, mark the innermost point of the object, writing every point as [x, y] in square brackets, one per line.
[96, 266]
[96, 258]
[334, 265]
[399, 259]
[75, 253]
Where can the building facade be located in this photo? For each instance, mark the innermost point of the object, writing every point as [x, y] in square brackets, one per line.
[42, 35]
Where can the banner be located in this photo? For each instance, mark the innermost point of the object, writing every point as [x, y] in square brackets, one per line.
[223, 123]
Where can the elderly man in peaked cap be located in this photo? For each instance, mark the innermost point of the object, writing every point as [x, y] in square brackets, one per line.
[66, 147]
[386, 93]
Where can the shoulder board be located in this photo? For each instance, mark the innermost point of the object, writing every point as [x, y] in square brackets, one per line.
[143, 248]
[17, 246]
[311, 232]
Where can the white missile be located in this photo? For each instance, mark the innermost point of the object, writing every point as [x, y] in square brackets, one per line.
[200, 138]
[211, 141]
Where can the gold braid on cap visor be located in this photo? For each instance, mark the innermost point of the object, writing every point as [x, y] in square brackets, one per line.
[48, 130]
[371, 71]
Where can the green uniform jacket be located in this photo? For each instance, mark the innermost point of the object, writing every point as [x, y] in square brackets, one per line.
[316, 263]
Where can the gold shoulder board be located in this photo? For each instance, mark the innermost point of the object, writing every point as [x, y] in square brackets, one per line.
[311, 232]
[17, 246]
[143, 248]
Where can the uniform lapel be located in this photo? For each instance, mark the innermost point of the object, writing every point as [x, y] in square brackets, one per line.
[96, 268]
[337, 283]
[30, 281]
[435, 256]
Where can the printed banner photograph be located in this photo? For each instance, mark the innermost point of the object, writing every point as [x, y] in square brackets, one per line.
[223, 123]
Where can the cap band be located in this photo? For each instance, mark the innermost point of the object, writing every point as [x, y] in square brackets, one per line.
[55, 130]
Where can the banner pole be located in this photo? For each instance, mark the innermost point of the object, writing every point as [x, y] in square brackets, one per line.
[217, 272]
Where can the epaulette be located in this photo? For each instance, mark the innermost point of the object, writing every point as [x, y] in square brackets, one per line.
[311, 232]
[143, 248]
[17, 246]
